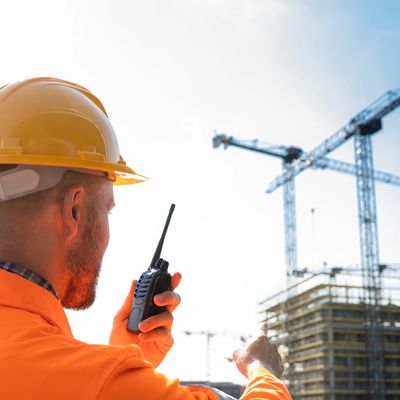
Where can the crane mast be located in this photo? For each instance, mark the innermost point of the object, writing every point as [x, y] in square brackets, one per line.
[362, 126]
[289, 210]
[370, 261]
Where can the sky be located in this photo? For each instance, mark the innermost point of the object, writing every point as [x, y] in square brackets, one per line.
[172, 72]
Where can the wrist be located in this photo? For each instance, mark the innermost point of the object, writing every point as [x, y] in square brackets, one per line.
[257, 368]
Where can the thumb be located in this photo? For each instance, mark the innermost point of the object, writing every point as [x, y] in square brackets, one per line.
[235, 354]
[241, 355]
[124, 311]
[242, 360]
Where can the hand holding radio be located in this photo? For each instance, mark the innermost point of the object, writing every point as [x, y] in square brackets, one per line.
[156, 339]
[146, 318]
[168, 300]
[152, 282]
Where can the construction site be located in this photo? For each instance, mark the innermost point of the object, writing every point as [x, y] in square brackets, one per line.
[321, 326]
[337, 328]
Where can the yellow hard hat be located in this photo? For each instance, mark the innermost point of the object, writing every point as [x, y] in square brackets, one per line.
[55, 123]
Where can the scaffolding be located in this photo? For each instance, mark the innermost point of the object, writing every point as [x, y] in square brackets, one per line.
[322, 328]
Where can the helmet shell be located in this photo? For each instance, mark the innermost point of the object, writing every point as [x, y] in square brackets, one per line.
[52, 122]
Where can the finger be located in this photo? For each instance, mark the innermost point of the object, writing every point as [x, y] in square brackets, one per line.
[169, 299]
[242, 360]
[163, 320]
[175, 280]
[123, 312]
[236, 354]
[264, 327]
[282, 368]
[159, 335]
[259, 341]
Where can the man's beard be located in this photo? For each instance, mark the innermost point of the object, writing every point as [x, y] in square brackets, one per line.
[83, 269]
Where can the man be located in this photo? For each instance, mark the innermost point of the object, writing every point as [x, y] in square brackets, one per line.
[59, 159]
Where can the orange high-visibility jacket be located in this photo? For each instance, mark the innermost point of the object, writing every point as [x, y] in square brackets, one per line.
[40, 359]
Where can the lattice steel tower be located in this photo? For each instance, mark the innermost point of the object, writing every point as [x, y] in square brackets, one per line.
[361, 127]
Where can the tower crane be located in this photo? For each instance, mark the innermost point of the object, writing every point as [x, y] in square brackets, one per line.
[353, 270]
[209, 335]
[288, 155]
[362, 126]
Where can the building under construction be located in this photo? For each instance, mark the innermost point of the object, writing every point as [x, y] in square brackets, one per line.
[321, 326]
[342, 335]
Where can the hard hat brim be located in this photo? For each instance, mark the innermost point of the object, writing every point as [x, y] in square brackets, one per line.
[119, 173]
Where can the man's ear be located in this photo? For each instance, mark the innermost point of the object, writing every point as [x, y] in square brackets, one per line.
[72, 209]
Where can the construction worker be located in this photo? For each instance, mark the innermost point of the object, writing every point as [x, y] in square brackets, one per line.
[59, 159]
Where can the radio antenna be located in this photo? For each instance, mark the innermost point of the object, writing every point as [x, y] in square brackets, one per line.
[157, 254]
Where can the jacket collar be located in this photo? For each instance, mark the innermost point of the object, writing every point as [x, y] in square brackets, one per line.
[18, 292]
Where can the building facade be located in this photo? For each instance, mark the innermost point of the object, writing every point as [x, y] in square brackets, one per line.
[320, 327]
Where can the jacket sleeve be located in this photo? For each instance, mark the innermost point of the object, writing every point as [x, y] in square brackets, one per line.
[264, 385]
[128, 382]
[132, 382]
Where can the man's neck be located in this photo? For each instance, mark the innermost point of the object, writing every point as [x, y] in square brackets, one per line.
[34, 255]
[28, 274]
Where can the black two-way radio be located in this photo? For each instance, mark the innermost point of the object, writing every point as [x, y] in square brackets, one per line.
[153, 281]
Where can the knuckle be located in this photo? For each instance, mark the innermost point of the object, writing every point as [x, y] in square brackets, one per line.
[259, 340]
[166, 320]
